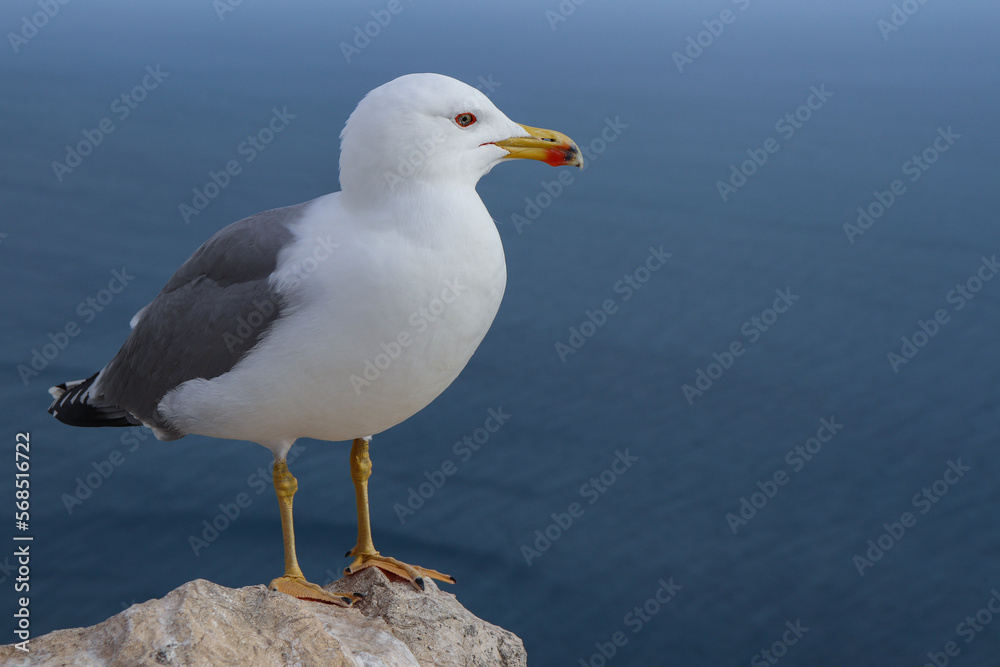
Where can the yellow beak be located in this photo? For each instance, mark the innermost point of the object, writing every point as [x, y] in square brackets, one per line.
[553, 148]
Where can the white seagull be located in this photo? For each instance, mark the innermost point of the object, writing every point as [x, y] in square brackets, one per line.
[334, 319]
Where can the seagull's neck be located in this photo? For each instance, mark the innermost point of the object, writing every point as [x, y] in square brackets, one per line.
[416, 205]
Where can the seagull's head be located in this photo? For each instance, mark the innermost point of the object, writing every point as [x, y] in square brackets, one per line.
[423, 131]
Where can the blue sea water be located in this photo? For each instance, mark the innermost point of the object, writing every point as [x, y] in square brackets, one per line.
[781, 438]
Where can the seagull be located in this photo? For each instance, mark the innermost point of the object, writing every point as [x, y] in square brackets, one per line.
[337, 318]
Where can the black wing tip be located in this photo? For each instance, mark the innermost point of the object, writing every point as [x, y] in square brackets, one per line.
[72, 406]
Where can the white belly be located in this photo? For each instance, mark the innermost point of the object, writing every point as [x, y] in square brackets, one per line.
[386, 323]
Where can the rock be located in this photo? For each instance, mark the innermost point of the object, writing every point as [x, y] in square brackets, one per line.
[202, 623]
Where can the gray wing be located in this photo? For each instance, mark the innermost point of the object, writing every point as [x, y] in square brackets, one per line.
[210, 314]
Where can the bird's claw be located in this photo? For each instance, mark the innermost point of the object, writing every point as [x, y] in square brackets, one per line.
[412, 573]
[299, 588]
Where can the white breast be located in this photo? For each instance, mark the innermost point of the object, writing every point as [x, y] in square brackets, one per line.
[381, 319]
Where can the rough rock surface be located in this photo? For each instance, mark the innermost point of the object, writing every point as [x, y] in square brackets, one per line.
[202, 623]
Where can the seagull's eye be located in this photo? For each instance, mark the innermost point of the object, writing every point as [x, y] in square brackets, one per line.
[465, 119]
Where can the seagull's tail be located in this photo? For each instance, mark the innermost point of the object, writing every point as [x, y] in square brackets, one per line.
[72, 405]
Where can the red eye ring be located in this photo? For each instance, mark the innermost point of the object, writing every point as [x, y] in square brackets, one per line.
[465, 119]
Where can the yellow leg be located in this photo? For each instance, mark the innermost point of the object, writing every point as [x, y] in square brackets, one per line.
[364, 551]
[361, 470]
[294, 582]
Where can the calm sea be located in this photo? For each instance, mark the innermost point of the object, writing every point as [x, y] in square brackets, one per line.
[746, 363]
